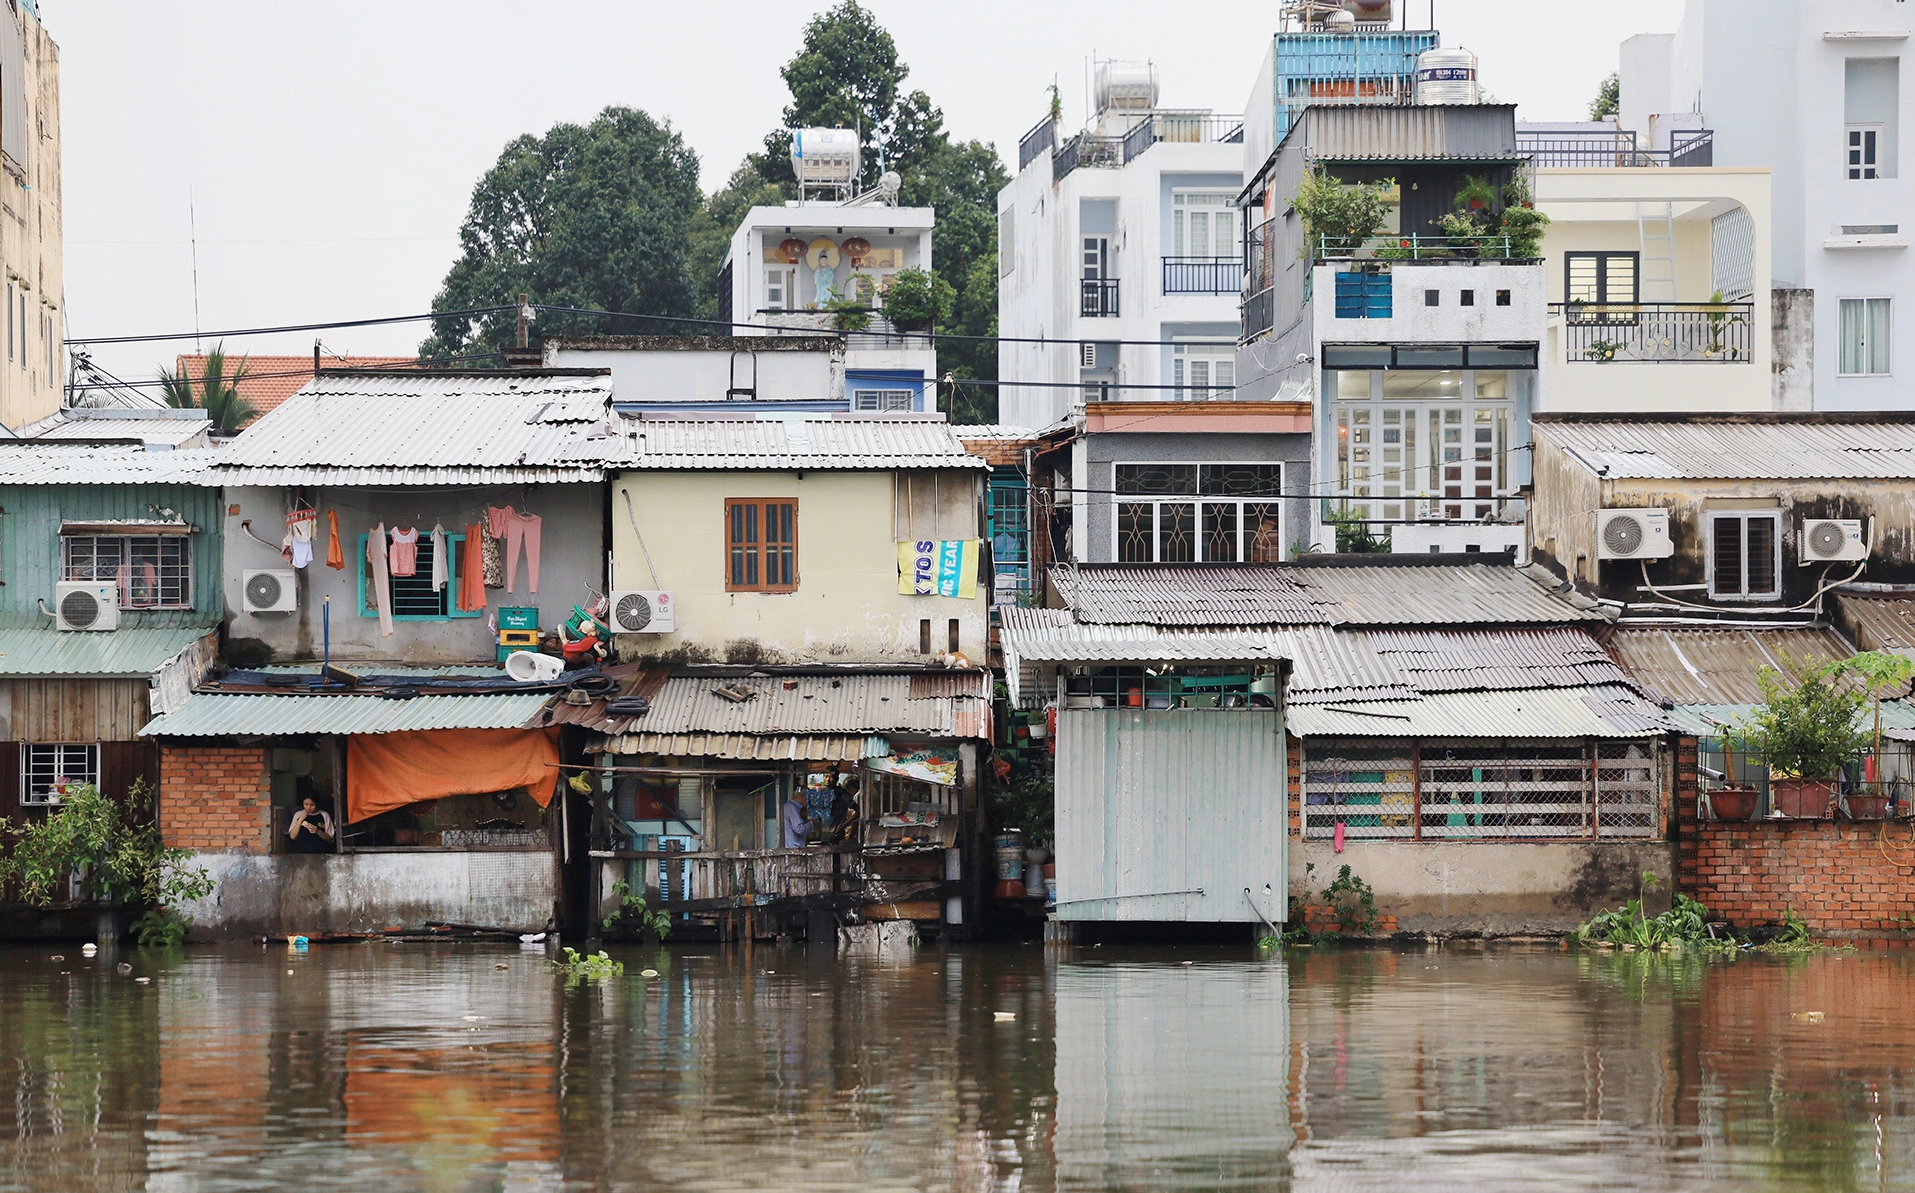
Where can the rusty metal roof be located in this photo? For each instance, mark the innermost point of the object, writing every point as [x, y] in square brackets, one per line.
[1878, 622]
[1186, 595]
[224, 714]
[1602, 711]
[1405, 594]
[751, 747]
[811, 441]
[1738, 448]
[955, 704]
[1716, 666]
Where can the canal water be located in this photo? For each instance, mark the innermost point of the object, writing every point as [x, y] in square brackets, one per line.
[385, 1067]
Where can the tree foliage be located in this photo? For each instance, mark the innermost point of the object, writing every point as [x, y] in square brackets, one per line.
[595, 216]
[1337, 216]
[215, 391]
[1810, 726]
[112, 843]
[1608, 99]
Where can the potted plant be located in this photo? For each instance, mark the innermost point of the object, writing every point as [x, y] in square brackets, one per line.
[1338, 218]
[1805, 730]
[918, 300]
[1732, 801]
[1882, 674]
[1476, 195]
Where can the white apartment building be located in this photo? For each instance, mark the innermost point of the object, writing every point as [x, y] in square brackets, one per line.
[1811, 90]
[31, 236]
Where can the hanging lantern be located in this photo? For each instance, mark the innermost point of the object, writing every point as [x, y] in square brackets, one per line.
[793, 250]
[857, 248]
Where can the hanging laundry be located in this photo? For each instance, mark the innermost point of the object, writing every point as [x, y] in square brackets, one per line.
[335, 554]
[521, 528]
[300, 524]
[379, 581]
[496, 519]
[441, 565]
[472, 571]
[404, 555]
[491, 560]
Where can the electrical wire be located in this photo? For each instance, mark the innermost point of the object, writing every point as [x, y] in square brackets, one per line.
[82, 361]
[261, 331]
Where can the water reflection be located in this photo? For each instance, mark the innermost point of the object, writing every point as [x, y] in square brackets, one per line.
[449, 1068]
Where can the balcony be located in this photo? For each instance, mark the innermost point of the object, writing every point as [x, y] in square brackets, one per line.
[1609, 149]
[881, 335]
[1039, 141]
[1184, 128]
[1656, 332]
[1087, 150]
[1203, 275]
[1430, 250]
[1098, 299]
[1259, 313]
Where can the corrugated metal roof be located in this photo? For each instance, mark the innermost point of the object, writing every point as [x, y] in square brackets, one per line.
[1423, 132]
[391, 428]
[1168, 595]
[126, 652]
[1716, 666]
[1603, 711]
[1472, 660]
[790, 442]
[1749, 447]
[992, 431]
[1878, 622]
[219, 714]
[1442, 594]
[73, 425]
[751, 747]
[852, 702]
[38, 462]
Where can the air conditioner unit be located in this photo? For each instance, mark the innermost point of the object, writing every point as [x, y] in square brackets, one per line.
[87, 605]
[1832, 540]
[268, 592]
[1633, 534]
[643, 612]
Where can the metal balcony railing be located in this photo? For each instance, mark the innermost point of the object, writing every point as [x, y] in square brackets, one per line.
[1608, 149]
[1203, 275]
[1087, 150]
[1189, 128]
[1098, 298]
[1657, 332]
[1040, 140]
[1413, 247]
[1259, 313]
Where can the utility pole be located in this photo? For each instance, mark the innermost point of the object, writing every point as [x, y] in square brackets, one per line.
[524, 301]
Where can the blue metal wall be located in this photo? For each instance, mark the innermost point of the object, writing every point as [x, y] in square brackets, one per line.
[30, 517]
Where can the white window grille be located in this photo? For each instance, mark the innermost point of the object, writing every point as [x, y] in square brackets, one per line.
[46, 770]
[1203, 371]
[1203, 224]
[1732, 254]
[152, 571]
[1423, 444]
[1189, 513]
[1864, 150]
[1745, 561]
[881, 399]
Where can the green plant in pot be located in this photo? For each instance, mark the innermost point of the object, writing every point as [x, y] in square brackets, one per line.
[1881, 674]
[918, 300]
[1805, 728]
[1338, 217]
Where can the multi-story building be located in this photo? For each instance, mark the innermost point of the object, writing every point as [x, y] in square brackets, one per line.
[1811, 90]
[31, 235]
[1118, 250]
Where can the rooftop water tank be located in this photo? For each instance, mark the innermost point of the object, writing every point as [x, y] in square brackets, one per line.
[1126, 85]
[1446, 76]
[824, 157]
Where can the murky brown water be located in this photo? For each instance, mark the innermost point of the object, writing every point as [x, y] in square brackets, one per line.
[398, 1067]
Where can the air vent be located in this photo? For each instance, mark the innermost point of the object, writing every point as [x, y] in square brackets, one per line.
[80, 609]
[1087, 356]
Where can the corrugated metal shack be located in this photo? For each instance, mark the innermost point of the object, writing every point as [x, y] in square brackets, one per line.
[698, 783]
[1430, 703]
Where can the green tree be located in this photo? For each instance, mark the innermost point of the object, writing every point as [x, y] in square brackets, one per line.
[216, 391]
[598, 217]
[1608, 99]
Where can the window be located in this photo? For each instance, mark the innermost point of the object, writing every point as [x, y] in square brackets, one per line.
[1203, 371]
[1202, 224]
[1743, 560]
[1502, 298]
[761, 544]
[1600, 277]
[1865, 337]
[45, 769]
[1006, 241]
[1424, 443]
[152, 571]
[9, 320]
[1186, 513]
[413, 597]
[1864, 144]
[1871, 112]
[881, 399]
[1432, 298]
[1096, 258]
[1467, 298]
[1363, 296]
[780, 288]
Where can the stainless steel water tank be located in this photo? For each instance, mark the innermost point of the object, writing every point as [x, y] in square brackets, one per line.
[1445, 76]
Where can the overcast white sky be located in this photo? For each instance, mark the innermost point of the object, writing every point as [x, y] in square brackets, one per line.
[330, 150]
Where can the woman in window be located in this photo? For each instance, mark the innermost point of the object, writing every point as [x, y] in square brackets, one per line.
[311, 829]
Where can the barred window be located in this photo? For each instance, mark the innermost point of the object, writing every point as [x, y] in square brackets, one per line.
[152, 571]
[46, 769]
[414, 597]
[761, 545]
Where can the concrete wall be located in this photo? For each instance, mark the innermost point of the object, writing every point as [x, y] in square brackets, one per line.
[1489, 888]
[847, 607]
[357, 892]
[1792, 333]
[1094, 529]
[652, 370]
[572, 557]
[1413, 321]
[31, 237]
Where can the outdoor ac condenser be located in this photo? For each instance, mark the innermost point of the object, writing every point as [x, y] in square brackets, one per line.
[1832, 540]
[268, 592]
[1633, 534]
[87, 605]
[643, 611]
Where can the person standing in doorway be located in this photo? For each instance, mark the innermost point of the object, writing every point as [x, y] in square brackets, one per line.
[798, 826]
[311, 829]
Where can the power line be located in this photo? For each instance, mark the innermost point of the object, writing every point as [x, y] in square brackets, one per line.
[929, 335]
[261, 331]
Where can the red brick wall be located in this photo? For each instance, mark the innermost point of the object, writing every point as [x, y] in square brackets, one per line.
[216, 798]
[1841, 878]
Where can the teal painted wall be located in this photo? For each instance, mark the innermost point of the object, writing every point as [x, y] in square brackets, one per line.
[30, 517]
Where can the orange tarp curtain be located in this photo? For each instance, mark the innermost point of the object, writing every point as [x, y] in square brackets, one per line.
[390, 770]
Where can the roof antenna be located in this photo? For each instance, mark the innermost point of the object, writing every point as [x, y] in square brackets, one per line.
[192, 232]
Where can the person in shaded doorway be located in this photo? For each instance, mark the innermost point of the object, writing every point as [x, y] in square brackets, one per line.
[844, 815]
[311, 829]
[798, 826]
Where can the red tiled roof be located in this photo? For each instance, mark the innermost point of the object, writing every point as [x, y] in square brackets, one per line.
[270, 380]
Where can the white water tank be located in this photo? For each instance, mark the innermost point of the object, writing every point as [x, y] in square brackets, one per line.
[1445, 76]
[824, 156]
[1126, 85]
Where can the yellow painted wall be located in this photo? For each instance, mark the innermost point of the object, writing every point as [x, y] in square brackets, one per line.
[847, 607]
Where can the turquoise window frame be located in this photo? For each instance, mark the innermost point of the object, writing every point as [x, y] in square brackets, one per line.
[452, 612]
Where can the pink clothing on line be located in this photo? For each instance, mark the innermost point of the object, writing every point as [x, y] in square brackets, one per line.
[521, 528]
[495, 521]
[404, 557]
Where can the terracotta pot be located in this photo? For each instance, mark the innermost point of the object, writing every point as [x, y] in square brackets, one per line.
[1867, 807]
[1732, 803]
[1801, 799]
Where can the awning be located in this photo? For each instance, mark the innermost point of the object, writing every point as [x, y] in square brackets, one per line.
[221, 714]
[752, 747]
[133, 652]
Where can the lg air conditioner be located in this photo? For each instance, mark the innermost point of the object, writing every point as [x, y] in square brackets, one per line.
[642, 611]
[1633, 534]
[268, 592]
[1832, 540]
[87, 605]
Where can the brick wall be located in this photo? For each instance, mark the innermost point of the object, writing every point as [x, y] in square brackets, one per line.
[216, 798]
[1841, 878]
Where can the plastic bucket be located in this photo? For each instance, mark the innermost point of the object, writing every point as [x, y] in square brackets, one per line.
[1009, 847]
[527, 667]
